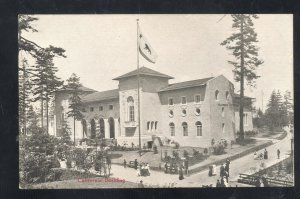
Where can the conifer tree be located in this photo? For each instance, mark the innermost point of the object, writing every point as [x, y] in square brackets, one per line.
[75, 105]
[242, 44]
[273, 112]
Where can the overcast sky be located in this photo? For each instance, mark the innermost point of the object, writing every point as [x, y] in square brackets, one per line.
[102, 47]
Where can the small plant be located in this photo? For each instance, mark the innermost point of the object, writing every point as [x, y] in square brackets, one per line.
[205, 151]
[195, 152]
[212, 142]
[185, 154]
[176, 145]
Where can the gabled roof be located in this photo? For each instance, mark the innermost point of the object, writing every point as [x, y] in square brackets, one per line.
[186, 84]
[144, 71]
[235, 95]
[99, 96]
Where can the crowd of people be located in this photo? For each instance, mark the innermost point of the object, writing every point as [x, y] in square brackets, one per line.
[224, 174]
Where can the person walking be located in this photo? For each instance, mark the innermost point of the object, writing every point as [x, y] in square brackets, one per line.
[125, 163]
[186, 164]
[135, 164]
[141, 185]
[218, 183]
[278, 153]
[181, 173]
[227, 166]
[265, 154]
[222, 170]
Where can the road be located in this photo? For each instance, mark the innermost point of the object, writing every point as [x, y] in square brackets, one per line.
[245, 164]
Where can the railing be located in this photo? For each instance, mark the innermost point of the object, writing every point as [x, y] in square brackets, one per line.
[252, 179]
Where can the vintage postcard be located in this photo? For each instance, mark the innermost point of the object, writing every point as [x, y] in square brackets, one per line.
[156, 101]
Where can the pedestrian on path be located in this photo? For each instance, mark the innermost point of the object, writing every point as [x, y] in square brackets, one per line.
[278, 153]
[181, 173]
[141, 185]
[135, 164]
[227, 166]
[218, 183]
[222, 169]
[265, 154]
[125, 163]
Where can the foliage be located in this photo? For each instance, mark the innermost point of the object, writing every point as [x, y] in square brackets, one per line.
[76, 105]
[177, 145]
[82, 159]
[205, 151]
[219, 149]
[185, 154]
[195, 152]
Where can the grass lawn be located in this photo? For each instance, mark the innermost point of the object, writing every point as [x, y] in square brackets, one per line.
[95, 183]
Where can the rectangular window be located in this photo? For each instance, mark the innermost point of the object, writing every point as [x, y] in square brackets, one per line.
[171, 102]
[100, 108]
[91, 109]
[199, 131]
[223, 128]
[131, 113]
[110, 107]
[183, 100]
[185, 130]
[172, 129]
[197, 99]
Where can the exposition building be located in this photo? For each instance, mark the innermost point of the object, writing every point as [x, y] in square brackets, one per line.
[191, 113]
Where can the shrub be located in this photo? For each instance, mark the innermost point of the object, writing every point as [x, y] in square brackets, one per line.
[212, 142]
[155, 149]
[219, 149]
[176, 145]
[195, 152]
[185, 154]
[176, 155]
[205, 151]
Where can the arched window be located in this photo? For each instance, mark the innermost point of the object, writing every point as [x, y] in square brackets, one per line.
[130, 105]
[217, 95]
[171, 113]
[172, 129]
[84, 129]
[197, 112]
[227, 95]
[183, 112]
[93, 129]
[148, 126]
[185, 129]
[199, 128]
[156, 125]
[223, 112]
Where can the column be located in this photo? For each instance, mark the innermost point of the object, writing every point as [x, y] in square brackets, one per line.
[88, 128]
[106, 125]
[117, 133]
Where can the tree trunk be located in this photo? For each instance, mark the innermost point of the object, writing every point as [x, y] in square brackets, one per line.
[74, 130]
[242, 83]
[47, 116]
[24, 96]
[42, 110]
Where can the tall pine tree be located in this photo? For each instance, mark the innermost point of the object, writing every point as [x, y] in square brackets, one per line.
[46, 81]
[242, 44]
[75, 106]
[273, 112]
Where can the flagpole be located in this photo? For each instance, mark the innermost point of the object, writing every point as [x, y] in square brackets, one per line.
[138, 84]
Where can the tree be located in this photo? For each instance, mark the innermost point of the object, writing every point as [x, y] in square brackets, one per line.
[45, 80]
[288, 107]
[273, 112]
[242, 44]
[32, 119]
[76, 105]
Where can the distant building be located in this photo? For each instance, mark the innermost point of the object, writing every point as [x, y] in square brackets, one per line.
[191, 113]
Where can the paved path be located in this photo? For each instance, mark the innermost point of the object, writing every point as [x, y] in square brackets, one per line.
[245, 164]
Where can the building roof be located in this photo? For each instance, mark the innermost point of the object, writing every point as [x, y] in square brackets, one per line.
[186, 84]
[144, 71]
[99, 96]
[82, 88]
[238, 96]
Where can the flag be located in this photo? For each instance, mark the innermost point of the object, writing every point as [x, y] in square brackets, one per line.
[145, 49]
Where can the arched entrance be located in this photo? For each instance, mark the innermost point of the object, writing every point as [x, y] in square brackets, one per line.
[111, 123]
[102, 128]
[93, 129]
[84, 128]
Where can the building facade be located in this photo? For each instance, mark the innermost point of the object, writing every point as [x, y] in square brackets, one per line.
[191, 113]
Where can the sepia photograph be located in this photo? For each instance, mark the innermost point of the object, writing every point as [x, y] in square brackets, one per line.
[155, 101]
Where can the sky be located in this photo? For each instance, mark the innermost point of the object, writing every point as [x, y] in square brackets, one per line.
[102, 47]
